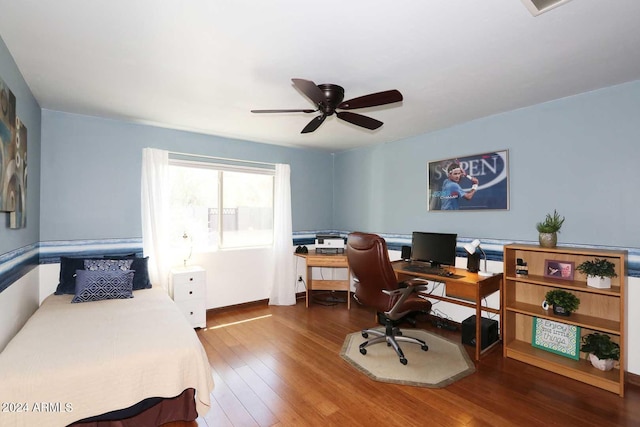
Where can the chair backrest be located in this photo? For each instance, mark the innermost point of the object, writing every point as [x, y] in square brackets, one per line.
[369, 262]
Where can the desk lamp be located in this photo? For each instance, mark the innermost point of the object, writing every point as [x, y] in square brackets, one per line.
[471, 248]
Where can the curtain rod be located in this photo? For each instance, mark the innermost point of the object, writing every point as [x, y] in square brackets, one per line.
[221, 158]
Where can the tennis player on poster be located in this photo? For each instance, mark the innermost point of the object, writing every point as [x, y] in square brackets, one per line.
[452, 192]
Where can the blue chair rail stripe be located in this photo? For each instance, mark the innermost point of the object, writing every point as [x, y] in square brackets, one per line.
[17, 263]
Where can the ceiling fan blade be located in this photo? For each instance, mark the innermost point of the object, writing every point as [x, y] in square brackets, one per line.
[283, 111]
[310, 89]
[314, 124]
[359, 120]
[372, 100]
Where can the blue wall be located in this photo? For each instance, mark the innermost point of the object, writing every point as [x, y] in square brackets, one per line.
[579, 155]
[92, 170]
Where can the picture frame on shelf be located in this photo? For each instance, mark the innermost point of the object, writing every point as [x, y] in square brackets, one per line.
[559, 338]
[563, 270]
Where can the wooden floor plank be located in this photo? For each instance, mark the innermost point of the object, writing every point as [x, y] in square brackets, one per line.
[230, 404]
[286, 412]
[216, 417]
[281, 366]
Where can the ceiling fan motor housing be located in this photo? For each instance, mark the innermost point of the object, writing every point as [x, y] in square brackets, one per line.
[334, 95]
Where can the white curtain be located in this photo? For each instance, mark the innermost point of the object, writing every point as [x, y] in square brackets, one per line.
[155, 214]
[283, 291]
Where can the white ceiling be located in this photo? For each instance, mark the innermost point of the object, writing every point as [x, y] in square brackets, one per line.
[202, 65]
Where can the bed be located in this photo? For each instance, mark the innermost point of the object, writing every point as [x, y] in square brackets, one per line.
[111, 358]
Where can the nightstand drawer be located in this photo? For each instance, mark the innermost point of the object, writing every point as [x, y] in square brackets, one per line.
[185, 277]
[194, 311]
[189, 290]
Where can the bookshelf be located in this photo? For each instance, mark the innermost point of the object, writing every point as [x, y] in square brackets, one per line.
[601, 310]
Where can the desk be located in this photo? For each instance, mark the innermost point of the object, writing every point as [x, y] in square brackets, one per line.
[469, 286]
[327, 260]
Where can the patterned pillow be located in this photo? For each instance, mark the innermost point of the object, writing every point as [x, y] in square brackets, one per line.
[97, 285]
[107, 264]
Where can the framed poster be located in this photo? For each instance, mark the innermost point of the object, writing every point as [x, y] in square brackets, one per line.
[556, 337]
[558, 269]
[7, 147]
[13, 160]
[477, 182]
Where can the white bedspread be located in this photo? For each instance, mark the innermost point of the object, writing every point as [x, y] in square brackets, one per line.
[72, 361]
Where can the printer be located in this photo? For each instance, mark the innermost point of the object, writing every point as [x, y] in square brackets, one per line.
[329, 244]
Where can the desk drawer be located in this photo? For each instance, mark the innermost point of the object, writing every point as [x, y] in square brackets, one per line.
[329, 285]
[466, 291]
[327, 261]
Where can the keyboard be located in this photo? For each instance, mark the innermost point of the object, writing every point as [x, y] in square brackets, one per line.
[434, 271]
[425, 269]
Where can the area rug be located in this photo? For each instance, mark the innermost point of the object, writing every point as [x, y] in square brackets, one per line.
[444, 363]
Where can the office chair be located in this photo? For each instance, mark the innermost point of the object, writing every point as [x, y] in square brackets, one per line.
[377, 287]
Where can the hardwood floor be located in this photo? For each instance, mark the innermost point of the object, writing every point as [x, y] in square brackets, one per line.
[280, 366]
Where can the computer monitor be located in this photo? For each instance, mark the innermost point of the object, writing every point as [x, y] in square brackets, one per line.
[435, 248]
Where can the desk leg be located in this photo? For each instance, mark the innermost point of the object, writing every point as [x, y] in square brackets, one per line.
[348, 288]
[478, 323]
[309, 284]
[501, 308]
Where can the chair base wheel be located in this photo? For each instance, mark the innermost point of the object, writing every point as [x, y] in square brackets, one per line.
[393, 336]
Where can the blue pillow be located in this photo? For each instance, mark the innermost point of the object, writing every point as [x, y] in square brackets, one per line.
[141, 276]
[97, 285]
[141, 267]
[107, 264]
[68, 267]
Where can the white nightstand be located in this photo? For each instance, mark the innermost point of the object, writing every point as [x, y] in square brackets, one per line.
[189, 293]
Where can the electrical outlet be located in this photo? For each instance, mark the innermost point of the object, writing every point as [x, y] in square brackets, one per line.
[299, 278]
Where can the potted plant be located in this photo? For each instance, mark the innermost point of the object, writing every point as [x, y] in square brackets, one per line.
[563, 302]
[548, 230]
[599, 272]
[602, 351]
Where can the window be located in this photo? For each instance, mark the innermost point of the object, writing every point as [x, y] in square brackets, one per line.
[220, 206]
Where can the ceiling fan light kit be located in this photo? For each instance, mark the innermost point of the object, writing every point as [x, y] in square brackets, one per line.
[329, 97]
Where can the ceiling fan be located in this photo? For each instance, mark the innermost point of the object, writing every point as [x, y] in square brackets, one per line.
[329, 97]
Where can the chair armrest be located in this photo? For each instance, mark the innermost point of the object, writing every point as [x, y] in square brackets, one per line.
[417, 284]
[413, 285]
[395, 291]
